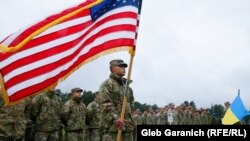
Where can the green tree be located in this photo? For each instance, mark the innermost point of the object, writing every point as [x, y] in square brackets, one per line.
[186, 103]
[155, 107]
[138, 105]
[217, 111]
[192, 104]
[87, 97]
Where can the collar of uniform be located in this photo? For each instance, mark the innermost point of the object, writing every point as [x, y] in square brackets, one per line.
[117, 78]
[50, 94]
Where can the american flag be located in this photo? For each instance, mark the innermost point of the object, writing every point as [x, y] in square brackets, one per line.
[51, 56]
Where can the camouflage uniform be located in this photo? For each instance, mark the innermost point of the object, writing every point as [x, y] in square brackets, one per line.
[111, 97]
[138, 120]
[162, 117]
[46, 115]
[73, 115]
[150, 119]
[198, 118]
[13, 120]
[94, 120]
[30, 129]
[209, 118]
[144, 116]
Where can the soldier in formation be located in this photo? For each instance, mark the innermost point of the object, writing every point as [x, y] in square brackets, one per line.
[94, 119]
[73, 115]
[45, 114]
[13, 120]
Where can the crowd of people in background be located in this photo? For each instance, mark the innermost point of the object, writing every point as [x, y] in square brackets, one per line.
[171, 115]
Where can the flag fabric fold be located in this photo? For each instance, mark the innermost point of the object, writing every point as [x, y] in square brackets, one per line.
[235, 113]
[38, 57]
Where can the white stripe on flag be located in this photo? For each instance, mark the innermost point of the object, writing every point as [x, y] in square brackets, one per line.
[59, 41]
[65, 25]
[41, 78]
[118, 10]
[41, 47]
[57, 57]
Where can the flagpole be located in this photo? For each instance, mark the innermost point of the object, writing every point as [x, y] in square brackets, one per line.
[124, 103]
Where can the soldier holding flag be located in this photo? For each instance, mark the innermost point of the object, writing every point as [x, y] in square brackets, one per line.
[111, 97]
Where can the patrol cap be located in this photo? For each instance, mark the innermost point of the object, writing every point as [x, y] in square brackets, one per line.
[76, 90]
[118, 62]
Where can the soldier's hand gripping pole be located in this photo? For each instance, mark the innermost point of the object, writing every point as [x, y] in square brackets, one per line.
[124, 103]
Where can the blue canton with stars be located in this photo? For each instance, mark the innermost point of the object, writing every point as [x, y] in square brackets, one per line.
[108, 5]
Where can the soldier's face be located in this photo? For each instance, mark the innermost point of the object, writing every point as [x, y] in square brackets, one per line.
[77, 94]
[119, 70]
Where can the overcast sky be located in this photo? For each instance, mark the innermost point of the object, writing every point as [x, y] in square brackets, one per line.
[187, 49]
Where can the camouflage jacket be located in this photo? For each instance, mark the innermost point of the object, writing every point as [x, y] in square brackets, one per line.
[150, 119]
[94, 115]
[45, 112]
[13, 119]
[73, 115]
[180, 118]
[111, 98]
[138, 120]
[160, 119]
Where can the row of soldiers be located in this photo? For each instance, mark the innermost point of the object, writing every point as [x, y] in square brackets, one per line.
[171, 115]
[51, 120]
[43, 117]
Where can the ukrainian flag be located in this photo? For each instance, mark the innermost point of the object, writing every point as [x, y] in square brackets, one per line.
[236, 112]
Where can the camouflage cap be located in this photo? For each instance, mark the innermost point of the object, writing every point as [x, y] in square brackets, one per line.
[76, 90]
[118, 62]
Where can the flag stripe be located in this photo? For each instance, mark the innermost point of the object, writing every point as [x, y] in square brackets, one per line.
[28, 71]
[41, 78]
[46, 21]
[50, 44]
[17, 70]
[41, 47]
[36, 88]
[67, 24]
[231, 118]
[52, 36]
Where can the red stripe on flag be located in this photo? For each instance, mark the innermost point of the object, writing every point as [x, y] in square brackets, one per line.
[41, 40]
[98, 49]
[36, 42]
[47, 53]
[46, 21]
[47, 68]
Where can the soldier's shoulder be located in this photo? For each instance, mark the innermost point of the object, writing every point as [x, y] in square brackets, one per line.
[108, 81]
[84, 105]
[38, 97]
[67, 103]
[57, 97]
[92, 104]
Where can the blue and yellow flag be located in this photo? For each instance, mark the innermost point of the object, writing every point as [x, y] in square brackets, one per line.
[235, 113]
